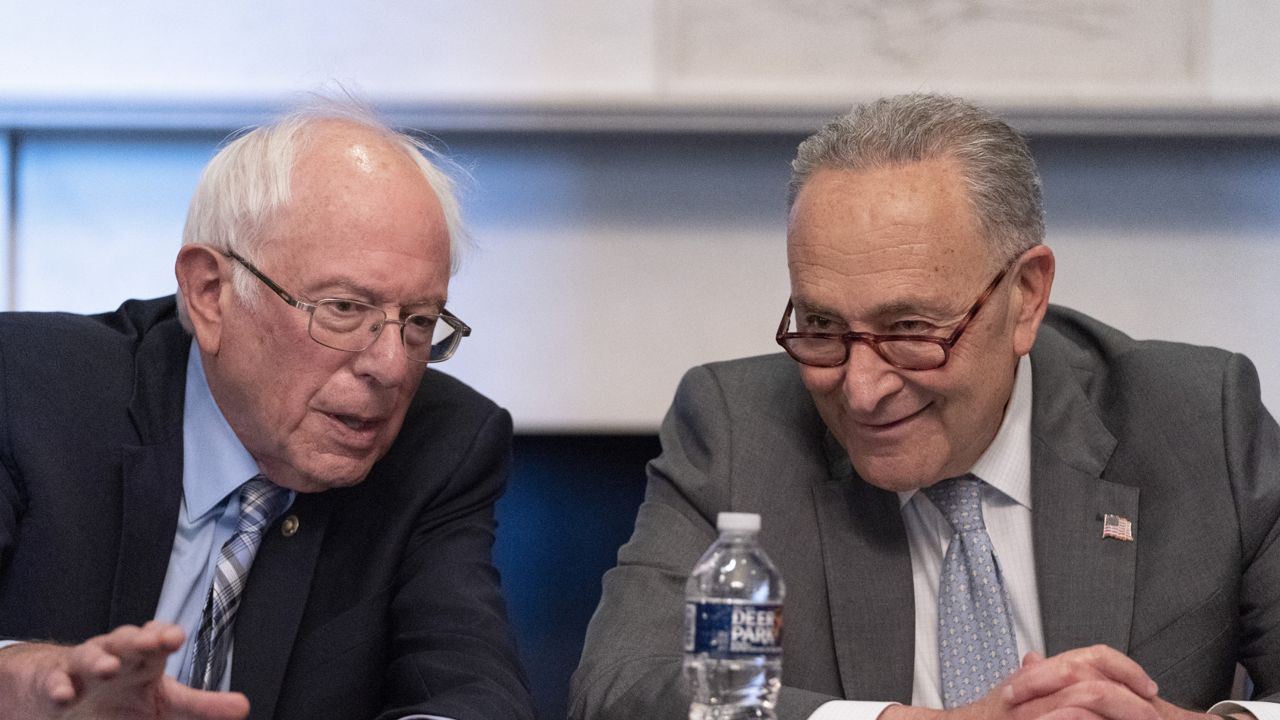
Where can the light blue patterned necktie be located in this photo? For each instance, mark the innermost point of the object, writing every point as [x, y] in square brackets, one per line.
[977, 647]
[261, 502]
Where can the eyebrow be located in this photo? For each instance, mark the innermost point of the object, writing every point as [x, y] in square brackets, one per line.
[892, 308]
[902, 307]
[800, 305]
[343, 288]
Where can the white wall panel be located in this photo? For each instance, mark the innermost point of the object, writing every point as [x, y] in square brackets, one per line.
[609, 265]
[244, 51]
[1087, 65]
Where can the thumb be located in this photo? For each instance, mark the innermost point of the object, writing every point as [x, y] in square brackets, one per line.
[190, 704]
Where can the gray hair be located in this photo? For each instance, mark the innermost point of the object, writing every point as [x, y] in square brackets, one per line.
[249, 180]
[1001, 176]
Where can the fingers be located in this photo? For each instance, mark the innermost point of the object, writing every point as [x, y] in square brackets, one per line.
[1071, 714]
[189, 704]
[154, 637]
[1103, 699]
[59, 688]
[91, 658]
[1047, 676]
[84, 663]
[140, 651]
[1094, 683]
[120, 674]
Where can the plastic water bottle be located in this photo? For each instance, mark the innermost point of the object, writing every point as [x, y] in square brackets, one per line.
[733, 626]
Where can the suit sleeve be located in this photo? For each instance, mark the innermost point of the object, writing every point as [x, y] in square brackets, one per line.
[632, 658]
[1253, 456]
[452, 642]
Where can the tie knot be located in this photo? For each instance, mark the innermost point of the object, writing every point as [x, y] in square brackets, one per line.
[960, 502]
[261, 502]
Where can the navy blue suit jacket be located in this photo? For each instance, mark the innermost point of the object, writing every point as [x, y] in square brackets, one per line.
[383, 603]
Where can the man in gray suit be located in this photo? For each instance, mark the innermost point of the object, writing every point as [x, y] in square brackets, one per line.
[1128, 490]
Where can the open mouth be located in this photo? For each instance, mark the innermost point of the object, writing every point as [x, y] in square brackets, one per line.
[354, 423]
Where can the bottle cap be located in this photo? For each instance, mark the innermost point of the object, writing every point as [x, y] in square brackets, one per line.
[742, 522]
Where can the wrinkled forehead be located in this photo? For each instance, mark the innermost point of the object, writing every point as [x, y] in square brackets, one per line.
[909, 224]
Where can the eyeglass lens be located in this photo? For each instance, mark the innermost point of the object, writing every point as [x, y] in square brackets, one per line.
[831, 351]
[353, 326]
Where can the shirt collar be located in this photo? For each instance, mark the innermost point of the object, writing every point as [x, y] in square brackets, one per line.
[1006, 463]
[215, 463]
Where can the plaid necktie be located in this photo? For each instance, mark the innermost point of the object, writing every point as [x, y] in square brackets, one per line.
[976, 643]
[261, 502]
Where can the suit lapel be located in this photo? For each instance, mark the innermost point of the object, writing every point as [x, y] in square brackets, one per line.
[1085, 581]
[273, 602]
[272, 605]
[151, 498]
[868, 569]
[151, 493]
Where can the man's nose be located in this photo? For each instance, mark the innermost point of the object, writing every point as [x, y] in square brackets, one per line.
[868, 378]
[384, 361]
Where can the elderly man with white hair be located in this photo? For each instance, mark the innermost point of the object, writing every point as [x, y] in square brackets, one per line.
[254, 499]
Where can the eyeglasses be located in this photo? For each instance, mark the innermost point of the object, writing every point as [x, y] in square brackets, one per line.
[353, 326]
[905, 352]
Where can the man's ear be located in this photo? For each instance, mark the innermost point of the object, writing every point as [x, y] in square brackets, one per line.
[1031, 295]
[199, 269]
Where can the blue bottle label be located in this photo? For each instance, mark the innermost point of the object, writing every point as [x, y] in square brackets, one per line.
[733, 629]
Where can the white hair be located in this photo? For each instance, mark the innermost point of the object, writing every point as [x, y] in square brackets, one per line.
[249, 181]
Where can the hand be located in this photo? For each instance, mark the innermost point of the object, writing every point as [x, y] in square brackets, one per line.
[117, 676]
[1092, 683]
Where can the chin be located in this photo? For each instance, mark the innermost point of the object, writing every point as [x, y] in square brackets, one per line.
[341, 482]
[894, 477]
[319, 479]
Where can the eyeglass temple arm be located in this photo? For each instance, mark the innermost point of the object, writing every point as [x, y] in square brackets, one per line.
[284, 294]
[456, 322]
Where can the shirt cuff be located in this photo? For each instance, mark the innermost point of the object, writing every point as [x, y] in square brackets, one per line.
[1260, 710]
[851, 710]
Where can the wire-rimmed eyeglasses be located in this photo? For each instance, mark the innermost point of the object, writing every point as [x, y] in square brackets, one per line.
[353, 326]
[905, 352]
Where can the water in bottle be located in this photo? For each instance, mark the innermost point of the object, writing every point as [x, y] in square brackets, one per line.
[733, 626]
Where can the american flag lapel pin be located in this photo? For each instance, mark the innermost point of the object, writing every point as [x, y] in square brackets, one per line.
[1117, 527]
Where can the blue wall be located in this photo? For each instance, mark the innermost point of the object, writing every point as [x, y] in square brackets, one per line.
[571, 502]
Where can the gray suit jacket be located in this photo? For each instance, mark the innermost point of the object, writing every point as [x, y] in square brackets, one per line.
[1171, 436]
